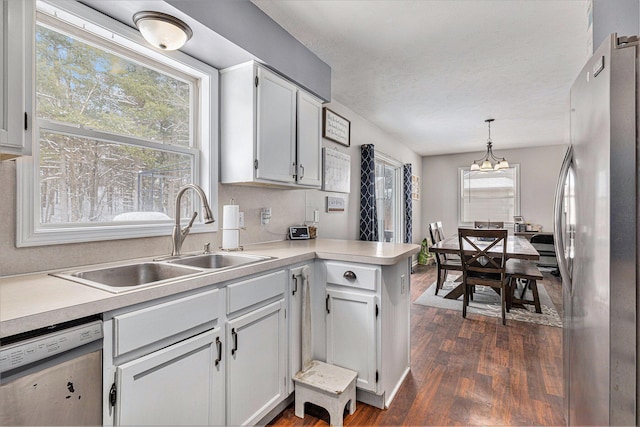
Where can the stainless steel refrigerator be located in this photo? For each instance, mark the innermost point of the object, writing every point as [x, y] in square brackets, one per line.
[596, 235]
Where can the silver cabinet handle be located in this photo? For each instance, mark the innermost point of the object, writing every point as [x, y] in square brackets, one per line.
[301, 172]
[219, 346]
[295, 285]
[349, 275]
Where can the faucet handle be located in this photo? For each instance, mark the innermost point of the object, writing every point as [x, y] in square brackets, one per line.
[207, 248]
[193, 218]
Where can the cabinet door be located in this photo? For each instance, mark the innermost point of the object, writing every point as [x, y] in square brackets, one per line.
[276, 127]
[309, 140]
[351, 334]
[17, 19]
[256, 357]
[178, 385]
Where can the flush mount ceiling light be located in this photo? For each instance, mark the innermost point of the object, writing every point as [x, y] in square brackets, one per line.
[489, 162]
[161, 30]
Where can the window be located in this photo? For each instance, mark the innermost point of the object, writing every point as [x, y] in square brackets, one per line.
[118, 129]
[388, 198]
[489, 196]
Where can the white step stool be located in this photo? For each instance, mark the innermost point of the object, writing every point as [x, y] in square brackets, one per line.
[328, 386]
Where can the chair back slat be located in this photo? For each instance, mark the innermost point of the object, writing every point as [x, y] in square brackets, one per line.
[434, 233]
[440, 229]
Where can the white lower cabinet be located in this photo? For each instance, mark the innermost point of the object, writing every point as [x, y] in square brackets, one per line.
[367, 325]
[352, 330]
[177, 385]
[255, 364]
[163, 362]
[256, 352]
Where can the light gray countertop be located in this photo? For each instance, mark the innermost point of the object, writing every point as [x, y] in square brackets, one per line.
[32, 301]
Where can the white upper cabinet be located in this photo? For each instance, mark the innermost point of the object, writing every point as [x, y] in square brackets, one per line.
[16, 50]
[276, 128]
[309, 140]
[270, 129]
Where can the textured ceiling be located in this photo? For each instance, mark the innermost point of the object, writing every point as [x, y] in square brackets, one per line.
[430, 72]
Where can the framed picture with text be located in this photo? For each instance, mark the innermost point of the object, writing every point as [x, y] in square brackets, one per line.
[335, 127]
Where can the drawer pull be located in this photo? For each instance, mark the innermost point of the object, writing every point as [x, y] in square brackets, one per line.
[326, 303]
[234, 335]
[349, 275]
[219, 346]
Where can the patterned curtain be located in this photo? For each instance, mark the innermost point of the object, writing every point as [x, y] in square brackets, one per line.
[407, 203]
[368, 215]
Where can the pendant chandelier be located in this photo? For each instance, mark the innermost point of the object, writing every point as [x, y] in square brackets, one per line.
[489, 162]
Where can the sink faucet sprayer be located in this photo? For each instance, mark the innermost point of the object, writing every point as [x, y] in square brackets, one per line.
[178, 234]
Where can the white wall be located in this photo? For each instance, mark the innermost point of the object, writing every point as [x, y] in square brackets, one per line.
[289, 207]
[539, 169]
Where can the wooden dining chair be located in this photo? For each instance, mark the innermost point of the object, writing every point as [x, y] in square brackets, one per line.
[443, 263]
[449, 257]
[483, 254]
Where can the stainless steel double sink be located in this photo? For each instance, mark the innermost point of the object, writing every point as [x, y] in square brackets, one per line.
[122, 278]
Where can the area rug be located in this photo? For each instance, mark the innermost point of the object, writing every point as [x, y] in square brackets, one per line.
[487, 302]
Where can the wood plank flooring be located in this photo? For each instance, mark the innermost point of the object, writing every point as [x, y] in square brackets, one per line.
[472, 371]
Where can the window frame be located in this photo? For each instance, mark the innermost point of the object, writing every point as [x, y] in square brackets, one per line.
[204, 144]
[516, 207]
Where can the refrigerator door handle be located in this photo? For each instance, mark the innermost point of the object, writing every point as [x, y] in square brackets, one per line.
[558, 240]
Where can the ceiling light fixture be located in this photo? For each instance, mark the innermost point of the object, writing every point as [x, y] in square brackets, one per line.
[161, 30]
[489, 162]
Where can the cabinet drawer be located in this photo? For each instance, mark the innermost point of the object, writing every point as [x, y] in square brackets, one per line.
[362, 276]
[253, 291]
[152, 324]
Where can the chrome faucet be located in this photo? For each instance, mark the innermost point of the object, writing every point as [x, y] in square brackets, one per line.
[179, 234]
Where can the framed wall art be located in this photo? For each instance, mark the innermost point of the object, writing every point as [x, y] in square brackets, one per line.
[415, 187]
[335, 127]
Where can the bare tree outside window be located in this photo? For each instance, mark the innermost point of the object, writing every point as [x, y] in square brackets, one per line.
[114, 134]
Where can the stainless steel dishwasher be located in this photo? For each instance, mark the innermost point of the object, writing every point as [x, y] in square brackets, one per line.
[53, 376]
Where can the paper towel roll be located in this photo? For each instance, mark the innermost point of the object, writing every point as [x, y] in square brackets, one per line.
[230, 217]
[230, 239]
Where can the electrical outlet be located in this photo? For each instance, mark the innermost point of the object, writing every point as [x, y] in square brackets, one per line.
[241, 219]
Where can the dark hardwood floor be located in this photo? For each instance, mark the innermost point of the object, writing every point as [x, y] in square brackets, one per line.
[472, 371]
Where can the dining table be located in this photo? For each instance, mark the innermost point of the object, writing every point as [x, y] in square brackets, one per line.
[517, 247]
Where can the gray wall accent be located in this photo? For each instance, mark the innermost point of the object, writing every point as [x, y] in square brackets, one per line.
[615, 16]
[244, 24]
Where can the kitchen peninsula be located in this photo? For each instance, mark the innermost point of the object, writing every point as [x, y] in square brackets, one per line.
[360, 318]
